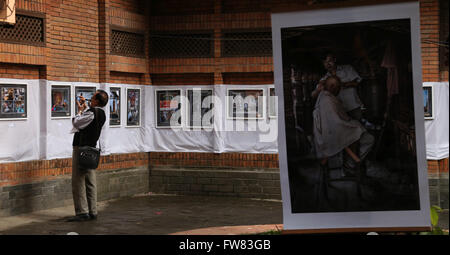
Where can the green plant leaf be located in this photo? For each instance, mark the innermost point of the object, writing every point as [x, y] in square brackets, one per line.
[434, 213]
[437, 208]
[437, 231]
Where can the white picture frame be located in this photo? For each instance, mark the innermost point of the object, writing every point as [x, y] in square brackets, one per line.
[428, 94]
[50, 95]
[272, 106]
[157, 107]
[261, 101]
[82, 88]
[188, 106]
[139, 107]
[120, 106]
[13, 116]
[355, 221]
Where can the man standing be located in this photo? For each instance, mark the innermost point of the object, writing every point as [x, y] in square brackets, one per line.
[87, 126]
[349, 79]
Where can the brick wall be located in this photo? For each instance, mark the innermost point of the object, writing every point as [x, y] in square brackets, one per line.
[40, 170]
[215, 160]
[77, 38]
[72, 40]
[18, 71]
[429, 25]
[437, 168]
[126, 78]
[183, 79]
[127, 15]
[132, 6]
[263, 183]
[77, 48]
[248, 78]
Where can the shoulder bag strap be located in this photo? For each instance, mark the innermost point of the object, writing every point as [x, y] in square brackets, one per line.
[96, 122]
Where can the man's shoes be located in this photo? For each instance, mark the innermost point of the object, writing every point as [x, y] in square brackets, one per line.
[79, 217]
[92, 216]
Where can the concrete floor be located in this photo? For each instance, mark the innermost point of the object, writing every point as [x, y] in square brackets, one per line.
[155, 215]
[151, 214]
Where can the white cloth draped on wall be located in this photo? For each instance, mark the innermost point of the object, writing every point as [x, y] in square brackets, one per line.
[33, 139]
[436, 129]
[19, 139]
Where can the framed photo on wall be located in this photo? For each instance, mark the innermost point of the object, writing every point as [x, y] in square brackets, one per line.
[428, 102]
[114, 106]
[133, 107]
[245, 103]
[13, 101]
[199, 111]
[339, 160]
[273, 103]
[61, 101]
[168, 106]
[86, 92]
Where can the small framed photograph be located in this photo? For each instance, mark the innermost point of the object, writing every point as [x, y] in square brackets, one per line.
[61, 102]
[273, 103]
[114, 106]
[86, 92]
[13, 101]
[133, 107]
[428, 102]
[200, 104]
[168, 105]
[245, 104]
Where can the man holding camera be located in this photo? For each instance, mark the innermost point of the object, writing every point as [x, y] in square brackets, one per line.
[87, 126]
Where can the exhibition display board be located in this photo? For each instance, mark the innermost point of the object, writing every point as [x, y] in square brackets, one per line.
[138, 120]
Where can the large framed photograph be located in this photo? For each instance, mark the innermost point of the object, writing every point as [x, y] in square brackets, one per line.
[61, 102]
[86, 92]
[114, 106]
[351, 126]
[428, 102]
[168, 105]
[133, 107]
[13, 101]
[245, 103]
[199, 111]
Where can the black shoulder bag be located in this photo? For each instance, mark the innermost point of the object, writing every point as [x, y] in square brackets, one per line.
[89, 157]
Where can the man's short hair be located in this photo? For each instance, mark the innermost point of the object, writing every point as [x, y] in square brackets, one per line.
[328, 53]
[102, 97]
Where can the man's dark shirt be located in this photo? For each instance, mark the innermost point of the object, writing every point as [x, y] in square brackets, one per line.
[89, 135]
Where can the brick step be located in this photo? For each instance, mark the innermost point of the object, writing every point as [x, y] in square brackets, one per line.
[213, 168]
[262, 183]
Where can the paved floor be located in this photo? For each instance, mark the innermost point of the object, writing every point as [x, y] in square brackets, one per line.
[156, 215]
[152, 214]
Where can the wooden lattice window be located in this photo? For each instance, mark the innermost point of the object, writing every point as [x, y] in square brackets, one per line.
[246, 43]
[27, 30]
[127, 43]
[181, 45]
